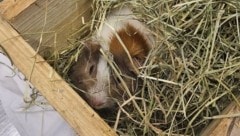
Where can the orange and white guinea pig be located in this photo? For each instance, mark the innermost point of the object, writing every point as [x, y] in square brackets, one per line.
[120, 33]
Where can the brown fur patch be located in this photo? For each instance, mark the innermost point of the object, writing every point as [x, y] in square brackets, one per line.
[135, 43]
[83, 72]
[138, 49]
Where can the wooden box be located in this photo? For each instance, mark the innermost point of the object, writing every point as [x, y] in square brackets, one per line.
[27, 25]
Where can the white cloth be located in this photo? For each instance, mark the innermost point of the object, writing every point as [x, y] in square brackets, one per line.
[36, 119]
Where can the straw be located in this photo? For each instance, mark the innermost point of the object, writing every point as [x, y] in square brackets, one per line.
[190, 76]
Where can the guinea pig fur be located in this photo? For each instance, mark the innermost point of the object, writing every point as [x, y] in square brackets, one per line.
[121, 35]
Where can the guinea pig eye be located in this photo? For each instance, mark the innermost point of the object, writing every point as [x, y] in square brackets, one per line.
[91, 69]
[118, 81]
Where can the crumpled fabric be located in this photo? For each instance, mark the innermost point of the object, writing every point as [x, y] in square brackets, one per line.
[31, 118]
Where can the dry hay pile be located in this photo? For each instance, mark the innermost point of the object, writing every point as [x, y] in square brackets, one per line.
[190, 76]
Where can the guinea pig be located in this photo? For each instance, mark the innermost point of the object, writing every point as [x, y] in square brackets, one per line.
[129, 42]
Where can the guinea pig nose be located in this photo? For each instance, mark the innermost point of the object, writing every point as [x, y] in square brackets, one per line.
[96, 103]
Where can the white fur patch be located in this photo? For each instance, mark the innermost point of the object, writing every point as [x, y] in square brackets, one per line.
[99, 90]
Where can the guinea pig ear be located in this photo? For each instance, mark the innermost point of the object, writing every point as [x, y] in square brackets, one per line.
[92, 46]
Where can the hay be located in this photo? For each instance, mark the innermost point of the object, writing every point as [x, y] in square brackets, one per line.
[191, 75]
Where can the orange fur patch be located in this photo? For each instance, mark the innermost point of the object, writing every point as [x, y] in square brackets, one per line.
[136, 45]
[134, 41]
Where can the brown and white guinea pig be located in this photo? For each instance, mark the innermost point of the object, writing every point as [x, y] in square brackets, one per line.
[92, 74]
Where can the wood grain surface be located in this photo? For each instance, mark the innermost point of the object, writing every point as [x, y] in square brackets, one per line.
[11, 8]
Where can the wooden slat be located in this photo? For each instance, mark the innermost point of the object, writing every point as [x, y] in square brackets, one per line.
[11, 8]
[58, 93]
[227, 126]
[48, 23]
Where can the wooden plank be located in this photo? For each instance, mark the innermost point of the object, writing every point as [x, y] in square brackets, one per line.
[58, 93]
[48, 24]
[227, 126]
[11, 8]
